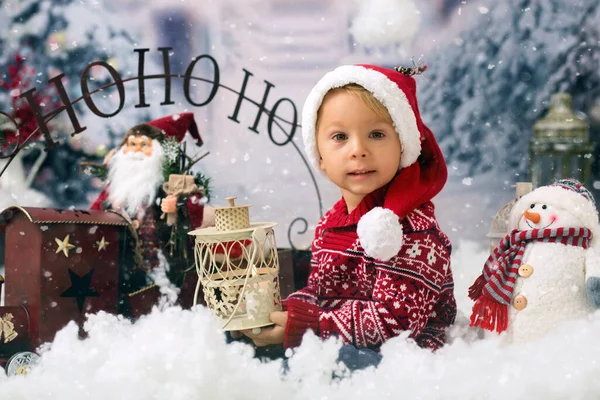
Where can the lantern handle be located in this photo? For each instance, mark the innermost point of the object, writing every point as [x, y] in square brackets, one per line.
[231, 201]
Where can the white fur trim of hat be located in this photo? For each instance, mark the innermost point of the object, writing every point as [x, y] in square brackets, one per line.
[384, 90]
[559, 197]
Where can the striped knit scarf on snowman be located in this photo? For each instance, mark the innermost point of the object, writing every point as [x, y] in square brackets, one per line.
[492, 291]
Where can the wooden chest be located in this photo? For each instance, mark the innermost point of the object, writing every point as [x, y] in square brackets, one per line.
[60, 265]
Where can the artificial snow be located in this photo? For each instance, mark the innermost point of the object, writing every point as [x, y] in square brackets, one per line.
[181, 354]
[168, 290]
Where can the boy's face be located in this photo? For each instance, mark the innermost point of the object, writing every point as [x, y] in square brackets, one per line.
[360, 150]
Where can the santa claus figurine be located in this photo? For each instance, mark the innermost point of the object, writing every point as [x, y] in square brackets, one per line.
[135, 189]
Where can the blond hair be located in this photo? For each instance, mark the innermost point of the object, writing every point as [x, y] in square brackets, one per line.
[367, 97]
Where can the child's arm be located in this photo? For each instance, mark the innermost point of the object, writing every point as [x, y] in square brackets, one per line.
[592, 276]
[302, 306]
[433, 336]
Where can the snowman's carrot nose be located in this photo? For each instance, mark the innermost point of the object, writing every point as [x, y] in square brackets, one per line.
[533, 217]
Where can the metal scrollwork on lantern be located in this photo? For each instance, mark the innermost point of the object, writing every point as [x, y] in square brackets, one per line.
[560, 146]
[238, 268]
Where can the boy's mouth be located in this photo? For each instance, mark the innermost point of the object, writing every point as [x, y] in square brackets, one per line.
[361, 172]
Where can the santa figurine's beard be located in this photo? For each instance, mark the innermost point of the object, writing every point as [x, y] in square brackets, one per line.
[134, 179]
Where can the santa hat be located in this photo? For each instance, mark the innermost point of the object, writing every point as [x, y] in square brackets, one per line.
[176, 126]
[567, 194]
[423, 170]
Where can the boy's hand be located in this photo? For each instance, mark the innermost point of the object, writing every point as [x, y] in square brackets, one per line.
[235, 335]
[271, 334]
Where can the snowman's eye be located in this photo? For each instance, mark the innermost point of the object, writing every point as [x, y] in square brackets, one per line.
[544, 207]
[531, 206]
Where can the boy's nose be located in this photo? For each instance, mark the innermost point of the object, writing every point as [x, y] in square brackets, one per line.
[359, 150]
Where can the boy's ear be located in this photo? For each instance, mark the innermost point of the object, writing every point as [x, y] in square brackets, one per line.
[321, 164]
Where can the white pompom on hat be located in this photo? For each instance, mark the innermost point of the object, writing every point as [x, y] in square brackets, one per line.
[423, 170]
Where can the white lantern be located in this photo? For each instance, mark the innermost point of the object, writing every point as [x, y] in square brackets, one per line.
[238, 269]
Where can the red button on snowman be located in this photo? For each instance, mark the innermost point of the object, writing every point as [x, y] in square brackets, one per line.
[546, 270]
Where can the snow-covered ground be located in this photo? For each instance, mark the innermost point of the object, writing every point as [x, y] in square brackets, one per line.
[175, 354]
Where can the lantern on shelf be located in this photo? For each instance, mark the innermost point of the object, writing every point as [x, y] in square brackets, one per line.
[238, 268]
[499, 227]
[560, 147]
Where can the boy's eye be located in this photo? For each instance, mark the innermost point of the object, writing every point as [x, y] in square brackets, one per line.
[377, 135]
[340, 136]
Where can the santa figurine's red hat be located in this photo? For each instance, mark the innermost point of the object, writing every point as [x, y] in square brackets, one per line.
[177, 125]
[422, 172]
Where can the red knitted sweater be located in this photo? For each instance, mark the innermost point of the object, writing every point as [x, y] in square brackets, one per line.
[366, 301]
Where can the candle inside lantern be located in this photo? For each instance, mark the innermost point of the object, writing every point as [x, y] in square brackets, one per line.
[258, 294]
[258, 298]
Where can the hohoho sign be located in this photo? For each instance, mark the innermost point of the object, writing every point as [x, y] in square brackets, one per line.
[167, 76]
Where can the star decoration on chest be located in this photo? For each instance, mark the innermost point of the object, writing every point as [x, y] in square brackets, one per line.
[64, 245]
[80, 288]
[102, 244]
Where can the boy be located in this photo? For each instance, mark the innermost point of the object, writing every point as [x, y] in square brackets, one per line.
[380, 263]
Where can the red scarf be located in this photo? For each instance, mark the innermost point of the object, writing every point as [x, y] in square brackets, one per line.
[492, 291]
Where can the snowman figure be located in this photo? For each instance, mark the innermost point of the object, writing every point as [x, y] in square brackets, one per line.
[546, 270]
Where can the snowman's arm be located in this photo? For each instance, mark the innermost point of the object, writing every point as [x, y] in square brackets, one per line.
[592, 276]
[592, 263]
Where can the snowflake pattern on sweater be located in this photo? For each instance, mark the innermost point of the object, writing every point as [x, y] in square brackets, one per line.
[366, 301]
